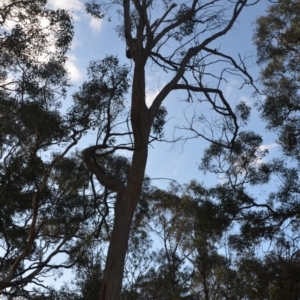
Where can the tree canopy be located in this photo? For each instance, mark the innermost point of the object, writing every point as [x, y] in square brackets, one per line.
[93, 210]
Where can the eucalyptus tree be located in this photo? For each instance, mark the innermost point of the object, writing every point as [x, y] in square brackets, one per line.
[275, 217]
[48, 207]
[274, 275]
[32, 79]
[278, 48]
[191, 224]
[179, 41]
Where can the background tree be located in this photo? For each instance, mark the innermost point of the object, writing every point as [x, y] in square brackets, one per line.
[277, 41]
[30, 90]
[273, 220]
[191, 228]
[45, 211]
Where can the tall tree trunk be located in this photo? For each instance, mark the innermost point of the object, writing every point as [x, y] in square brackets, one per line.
[126, 203]
[124, 210]
[113, 274]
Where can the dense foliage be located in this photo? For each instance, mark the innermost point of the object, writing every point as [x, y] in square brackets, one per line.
[47, 205]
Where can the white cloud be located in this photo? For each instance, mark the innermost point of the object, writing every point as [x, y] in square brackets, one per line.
[150, 96]
[74, 72]
[246, 100]
[9, 24]
[96, 24]
[268, 146]
[70, 5]
[44, 22]
[44, 56]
